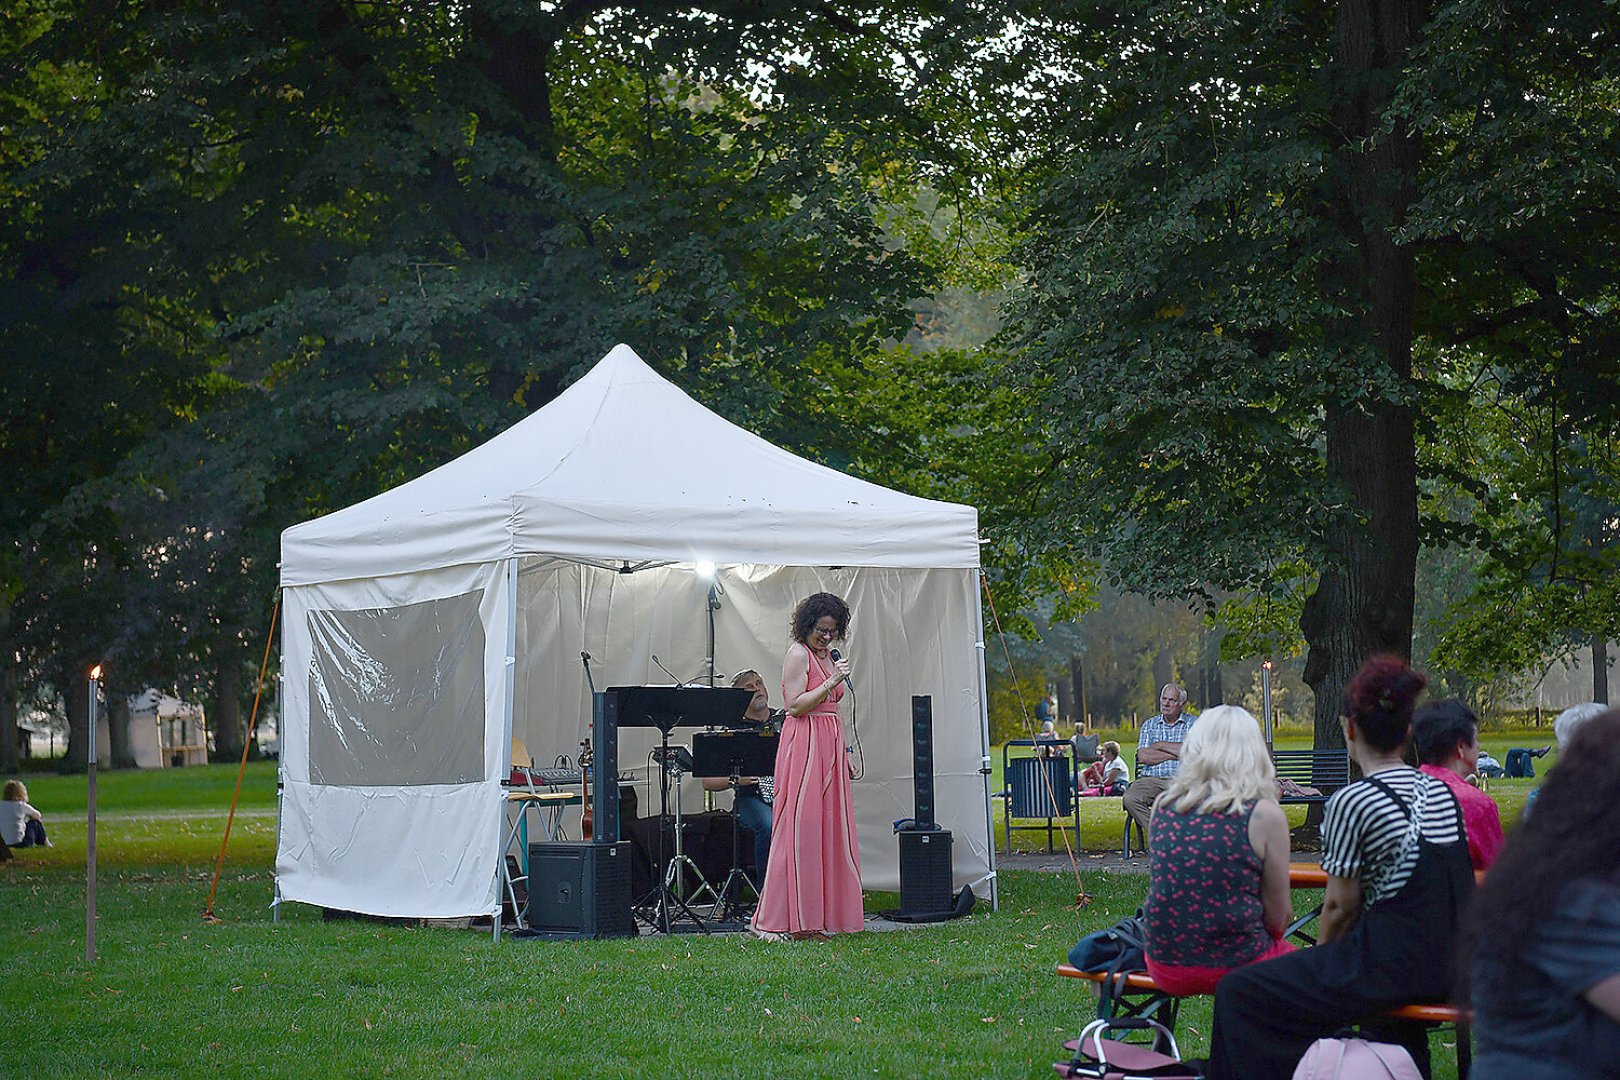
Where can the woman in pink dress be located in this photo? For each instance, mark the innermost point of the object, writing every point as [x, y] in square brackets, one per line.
[813, 878]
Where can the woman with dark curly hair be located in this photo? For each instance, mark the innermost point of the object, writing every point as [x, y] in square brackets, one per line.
[813, 878]
[1546, 988]
[1396, 856]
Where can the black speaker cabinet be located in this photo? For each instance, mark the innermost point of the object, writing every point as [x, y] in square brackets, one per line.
[580, 890]
[925, 872]
[922, 758]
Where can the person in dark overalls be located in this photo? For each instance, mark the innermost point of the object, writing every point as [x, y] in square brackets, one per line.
[1396, 855]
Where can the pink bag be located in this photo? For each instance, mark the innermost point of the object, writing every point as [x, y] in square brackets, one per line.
[1356, 1059]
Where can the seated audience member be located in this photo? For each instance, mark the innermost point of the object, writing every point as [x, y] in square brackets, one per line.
[1218, 890]
[1565, 726]
[1544, 933]
[1158, 754]
[1394, 848]
[1446, 735]
[1047, 742]
[1489, 766]
[21, 825]
[1108, 775]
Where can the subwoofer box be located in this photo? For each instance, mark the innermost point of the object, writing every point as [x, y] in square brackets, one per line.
[580, 890]
[925, 871]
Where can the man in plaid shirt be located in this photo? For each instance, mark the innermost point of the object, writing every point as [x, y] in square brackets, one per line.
[1158, 753]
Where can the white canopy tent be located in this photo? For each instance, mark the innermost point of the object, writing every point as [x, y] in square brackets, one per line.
[426, 627]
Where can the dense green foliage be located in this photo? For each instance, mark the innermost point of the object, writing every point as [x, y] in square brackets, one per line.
[1299, 273]
[272, 258]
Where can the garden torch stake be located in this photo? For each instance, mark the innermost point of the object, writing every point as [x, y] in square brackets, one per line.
[1265, 698]
[90, 850]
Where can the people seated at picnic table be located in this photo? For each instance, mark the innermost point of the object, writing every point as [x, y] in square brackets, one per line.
[1108, 775]
[1446, 736]
[1544, 933]
[1158, 754]
[1398, 877]
[1218, 881]
[1565, 726]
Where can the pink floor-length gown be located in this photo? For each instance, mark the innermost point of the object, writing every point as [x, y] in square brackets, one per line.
[813, 877]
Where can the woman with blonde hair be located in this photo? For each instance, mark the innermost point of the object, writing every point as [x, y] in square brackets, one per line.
[1218, 892]
[20, 824]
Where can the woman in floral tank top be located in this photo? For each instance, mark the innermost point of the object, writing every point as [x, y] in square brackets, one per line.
[1218, 897]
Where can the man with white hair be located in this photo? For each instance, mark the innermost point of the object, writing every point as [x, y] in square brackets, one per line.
[1565, 726]
[1158, 754]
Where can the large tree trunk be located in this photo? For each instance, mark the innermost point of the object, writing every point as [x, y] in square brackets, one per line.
[1363, 601]
[123, 757]
[1600, 668]
[8, 720]
[76, 700]
[225, 717]
[1211, 692]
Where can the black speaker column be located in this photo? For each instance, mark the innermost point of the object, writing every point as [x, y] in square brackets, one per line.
[922, 759]
[925, 848]
[605, 770]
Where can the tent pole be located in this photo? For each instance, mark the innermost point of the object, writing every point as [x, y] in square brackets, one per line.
[984, 738]
[508, 698]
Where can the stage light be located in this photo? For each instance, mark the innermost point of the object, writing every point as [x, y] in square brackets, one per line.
[705, 569]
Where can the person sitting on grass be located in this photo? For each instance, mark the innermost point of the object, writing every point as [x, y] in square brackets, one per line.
[1218, 886]
[1446, 734]
[1543, 939]
[1108, 775]
[21, 826]
[1396, 855]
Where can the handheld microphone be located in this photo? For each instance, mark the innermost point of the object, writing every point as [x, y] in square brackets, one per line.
[837, 656]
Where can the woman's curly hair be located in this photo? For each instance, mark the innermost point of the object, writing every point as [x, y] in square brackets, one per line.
[815, 607]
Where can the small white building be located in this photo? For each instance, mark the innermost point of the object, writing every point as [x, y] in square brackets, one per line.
[164, 732]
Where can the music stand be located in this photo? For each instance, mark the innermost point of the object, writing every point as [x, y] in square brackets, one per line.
[666, 708]
[734, 754]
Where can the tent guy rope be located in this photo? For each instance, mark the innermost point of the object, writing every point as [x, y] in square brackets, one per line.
[253, 723]
[1081, 897]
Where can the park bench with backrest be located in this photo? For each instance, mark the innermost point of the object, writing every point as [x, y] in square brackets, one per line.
[1324, 770]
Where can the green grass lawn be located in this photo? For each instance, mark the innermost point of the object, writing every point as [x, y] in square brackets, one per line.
[171, 994]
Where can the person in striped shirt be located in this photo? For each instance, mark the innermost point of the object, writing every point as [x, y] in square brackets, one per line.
[1396, 854]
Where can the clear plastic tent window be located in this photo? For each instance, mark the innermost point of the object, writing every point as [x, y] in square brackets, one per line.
[397, 694]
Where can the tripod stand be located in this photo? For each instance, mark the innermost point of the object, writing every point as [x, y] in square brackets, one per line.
[669, 893]
[664, 708]
[734, 754]
[728, 903]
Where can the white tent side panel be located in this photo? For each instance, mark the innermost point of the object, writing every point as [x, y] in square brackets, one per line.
[393, 742]
[912, 632]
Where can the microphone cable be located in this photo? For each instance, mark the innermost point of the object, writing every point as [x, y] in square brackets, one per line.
[854, 723]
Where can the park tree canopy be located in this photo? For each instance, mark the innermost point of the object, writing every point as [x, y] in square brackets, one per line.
[271, 258]
[1277, 246]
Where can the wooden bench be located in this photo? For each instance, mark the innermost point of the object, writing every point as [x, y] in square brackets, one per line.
[1140, 996]
[1325, 770]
